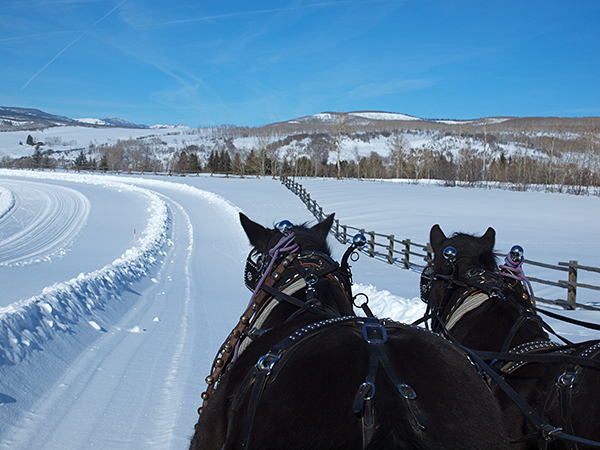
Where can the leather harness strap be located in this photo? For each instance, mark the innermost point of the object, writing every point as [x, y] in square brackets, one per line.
[564, 385]
[267, 367]
[375, 334]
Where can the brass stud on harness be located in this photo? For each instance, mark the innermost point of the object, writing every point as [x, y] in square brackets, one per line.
[244, 320]
[209, 380]
[254, 306]
[204, 396]
[227, 348]
[236, 334]
[219, 362]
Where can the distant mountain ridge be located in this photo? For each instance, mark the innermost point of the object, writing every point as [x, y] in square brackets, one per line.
[15, 118]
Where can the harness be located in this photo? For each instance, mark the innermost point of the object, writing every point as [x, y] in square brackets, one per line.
[375, 334]
[269, 365]
[274, 282]
[479, 286]
[292, 271]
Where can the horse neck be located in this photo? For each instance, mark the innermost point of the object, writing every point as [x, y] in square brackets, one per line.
[491, 326]
[328, 298]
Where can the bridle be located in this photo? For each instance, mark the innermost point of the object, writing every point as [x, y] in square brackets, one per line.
[274, 278]
[467, 291]
[470, 290]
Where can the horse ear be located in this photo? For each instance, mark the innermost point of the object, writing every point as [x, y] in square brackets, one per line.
[322, 228]
[258, 235]
[489, 237]
[436, 236]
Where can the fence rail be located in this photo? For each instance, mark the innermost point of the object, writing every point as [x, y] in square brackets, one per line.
[412, 255]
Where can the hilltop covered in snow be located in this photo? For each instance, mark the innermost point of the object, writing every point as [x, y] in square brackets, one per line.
[556, 152]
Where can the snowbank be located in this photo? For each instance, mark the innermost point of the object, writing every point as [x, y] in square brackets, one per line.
[387, 305]
[7, 201]
[27, 324]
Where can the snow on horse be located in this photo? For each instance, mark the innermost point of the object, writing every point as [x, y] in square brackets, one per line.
[491, 309]
[302, 371]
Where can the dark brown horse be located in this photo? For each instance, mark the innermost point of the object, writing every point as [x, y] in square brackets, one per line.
[301, 371]
[490, 310]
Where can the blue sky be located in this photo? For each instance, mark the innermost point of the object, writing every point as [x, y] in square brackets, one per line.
[250, 63]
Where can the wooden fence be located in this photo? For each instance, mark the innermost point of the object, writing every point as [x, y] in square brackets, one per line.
[408, 254]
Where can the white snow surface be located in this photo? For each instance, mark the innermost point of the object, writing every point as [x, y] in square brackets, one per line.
[383, 116]
[7, 201]
[111, 352]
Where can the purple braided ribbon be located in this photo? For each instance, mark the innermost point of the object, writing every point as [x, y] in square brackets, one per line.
[286, 245]
[515, 271]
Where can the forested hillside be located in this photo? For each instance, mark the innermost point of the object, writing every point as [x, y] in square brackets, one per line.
[561, 154]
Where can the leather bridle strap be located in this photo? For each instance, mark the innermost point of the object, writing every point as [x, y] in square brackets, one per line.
[375, 334]
[540, 358]
[298, 303]
[546, 431]
[267, 367]
[592, 326]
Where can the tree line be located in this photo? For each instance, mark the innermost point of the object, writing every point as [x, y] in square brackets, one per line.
[561, 161]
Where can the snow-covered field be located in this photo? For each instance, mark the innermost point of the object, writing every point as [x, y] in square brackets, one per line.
[118, 290]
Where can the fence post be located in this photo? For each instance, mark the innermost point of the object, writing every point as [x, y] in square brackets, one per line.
[572, 287]
[337, 229]
[407, 253]
[345, 233]
[320, 214]
[372, 244]
[391, 250]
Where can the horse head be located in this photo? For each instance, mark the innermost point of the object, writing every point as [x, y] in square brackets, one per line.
[470, 251]
[298, 260]
[464, 277]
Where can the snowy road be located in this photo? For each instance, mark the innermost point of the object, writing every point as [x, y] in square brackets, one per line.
[41, 223]
[135, 380]
[111, 352]
[58, 229]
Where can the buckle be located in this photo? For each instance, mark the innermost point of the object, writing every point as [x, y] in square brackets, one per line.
[374, 332]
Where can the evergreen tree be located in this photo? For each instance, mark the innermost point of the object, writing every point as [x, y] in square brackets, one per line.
[30, 140]
[224, 161]
[81, 160]
[182, 162]
[104, 162]
[213, 161]
[193, 163]
[36, 158]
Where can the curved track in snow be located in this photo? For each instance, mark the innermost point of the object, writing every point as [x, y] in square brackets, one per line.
[132, 379]
[43, 221]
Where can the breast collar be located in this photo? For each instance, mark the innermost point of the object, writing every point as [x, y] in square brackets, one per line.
[479, 285]
[296, 272]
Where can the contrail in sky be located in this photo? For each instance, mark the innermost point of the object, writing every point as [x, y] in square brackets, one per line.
[263, 11]
[75, 40]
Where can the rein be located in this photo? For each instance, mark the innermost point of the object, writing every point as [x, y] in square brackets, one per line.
[480, 286]
[309, 268]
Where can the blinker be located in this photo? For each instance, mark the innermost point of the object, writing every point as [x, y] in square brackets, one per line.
[516, 254]
[450, 254]
[284, 227]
